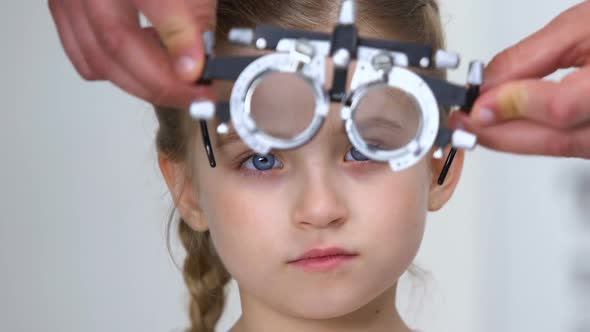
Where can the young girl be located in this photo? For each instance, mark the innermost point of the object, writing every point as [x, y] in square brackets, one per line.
[251, 217]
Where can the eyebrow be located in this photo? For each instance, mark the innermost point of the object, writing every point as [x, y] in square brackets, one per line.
[381, 122]
[229, 138]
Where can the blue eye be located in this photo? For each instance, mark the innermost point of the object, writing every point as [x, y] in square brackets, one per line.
[262, 163]
[355, 155]
[258, 162]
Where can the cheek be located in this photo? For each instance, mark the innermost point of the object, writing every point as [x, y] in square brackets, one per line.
[242, 227]
[394, 218]
[396, 206]
[385, 221]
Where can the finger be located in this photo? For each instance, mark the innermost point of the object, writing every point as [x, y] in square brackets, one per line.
[98, 61]
[68, 40]
[529, 138]
[180, 24]
[141, 57]
[563, 43]
[153, 35]
[560, 105]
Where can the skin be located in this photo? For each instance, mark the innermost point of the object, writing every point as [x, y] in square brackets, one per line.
[518, 111]
[316, 196]
[104, 41]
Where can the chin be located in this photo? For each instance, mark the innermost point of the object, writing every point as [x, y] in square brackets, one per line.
[322, 312]
[326, 307]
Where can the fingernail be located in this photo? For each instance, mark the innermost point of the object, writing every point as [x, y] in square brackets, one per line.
[486, 117]
[186, 66]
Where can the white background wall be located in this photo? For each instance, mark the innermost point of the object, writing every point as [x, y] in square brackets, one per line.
[83, 206]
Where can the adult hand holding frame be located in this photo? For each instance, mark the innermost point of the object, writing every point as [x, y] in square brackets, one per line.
[391, 114]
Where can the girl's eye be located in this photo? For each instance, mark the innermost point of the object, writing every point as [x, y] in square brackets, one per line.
[258, 162]
[354, 155]
[262, 163]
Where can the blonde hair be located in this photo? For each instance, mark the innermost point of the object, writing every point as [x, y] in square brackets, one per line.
[203, 271]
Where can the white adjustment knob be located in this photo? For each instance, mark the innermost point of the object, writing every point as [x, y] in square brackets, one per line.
[438, 154]
[446, 60]
[222, 129]
[241, 36]
[261, 43]
[202, 110]
[341, 58]
[475, 75]
[424, 62]
[347, 12]
[464, 140]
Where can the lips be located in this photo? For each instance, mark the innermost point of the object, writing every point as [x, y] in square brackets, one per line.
[327, 252]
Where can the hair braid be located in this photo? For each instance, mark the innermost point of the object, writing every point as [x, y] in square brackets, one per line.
[205, 277]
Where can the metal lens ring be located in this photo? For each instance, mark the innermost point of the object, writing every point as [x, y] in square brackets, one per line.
[367, 79]
[243, 115]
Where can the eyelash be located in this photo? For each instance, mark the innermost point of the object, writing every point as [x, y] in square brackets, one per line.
[255, 172]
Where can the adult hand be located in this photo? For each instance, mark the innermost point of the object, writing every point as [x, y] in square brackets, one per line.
[521, 113]
[104, 41]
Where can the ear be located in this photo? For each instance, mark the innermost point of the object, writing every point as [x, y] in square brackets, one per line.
[181, 188]
[440, 194]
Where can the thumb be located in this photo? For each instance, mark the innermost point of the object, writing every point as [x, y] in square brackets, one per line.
[559, 105]
[180, 24]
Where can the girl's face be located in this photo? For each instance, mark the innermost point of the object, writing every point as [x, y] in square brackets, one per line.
[264, 213]
[317, 196]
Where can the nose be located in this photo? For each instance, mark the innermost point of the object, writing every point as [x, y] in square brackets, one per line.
[320, 201]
